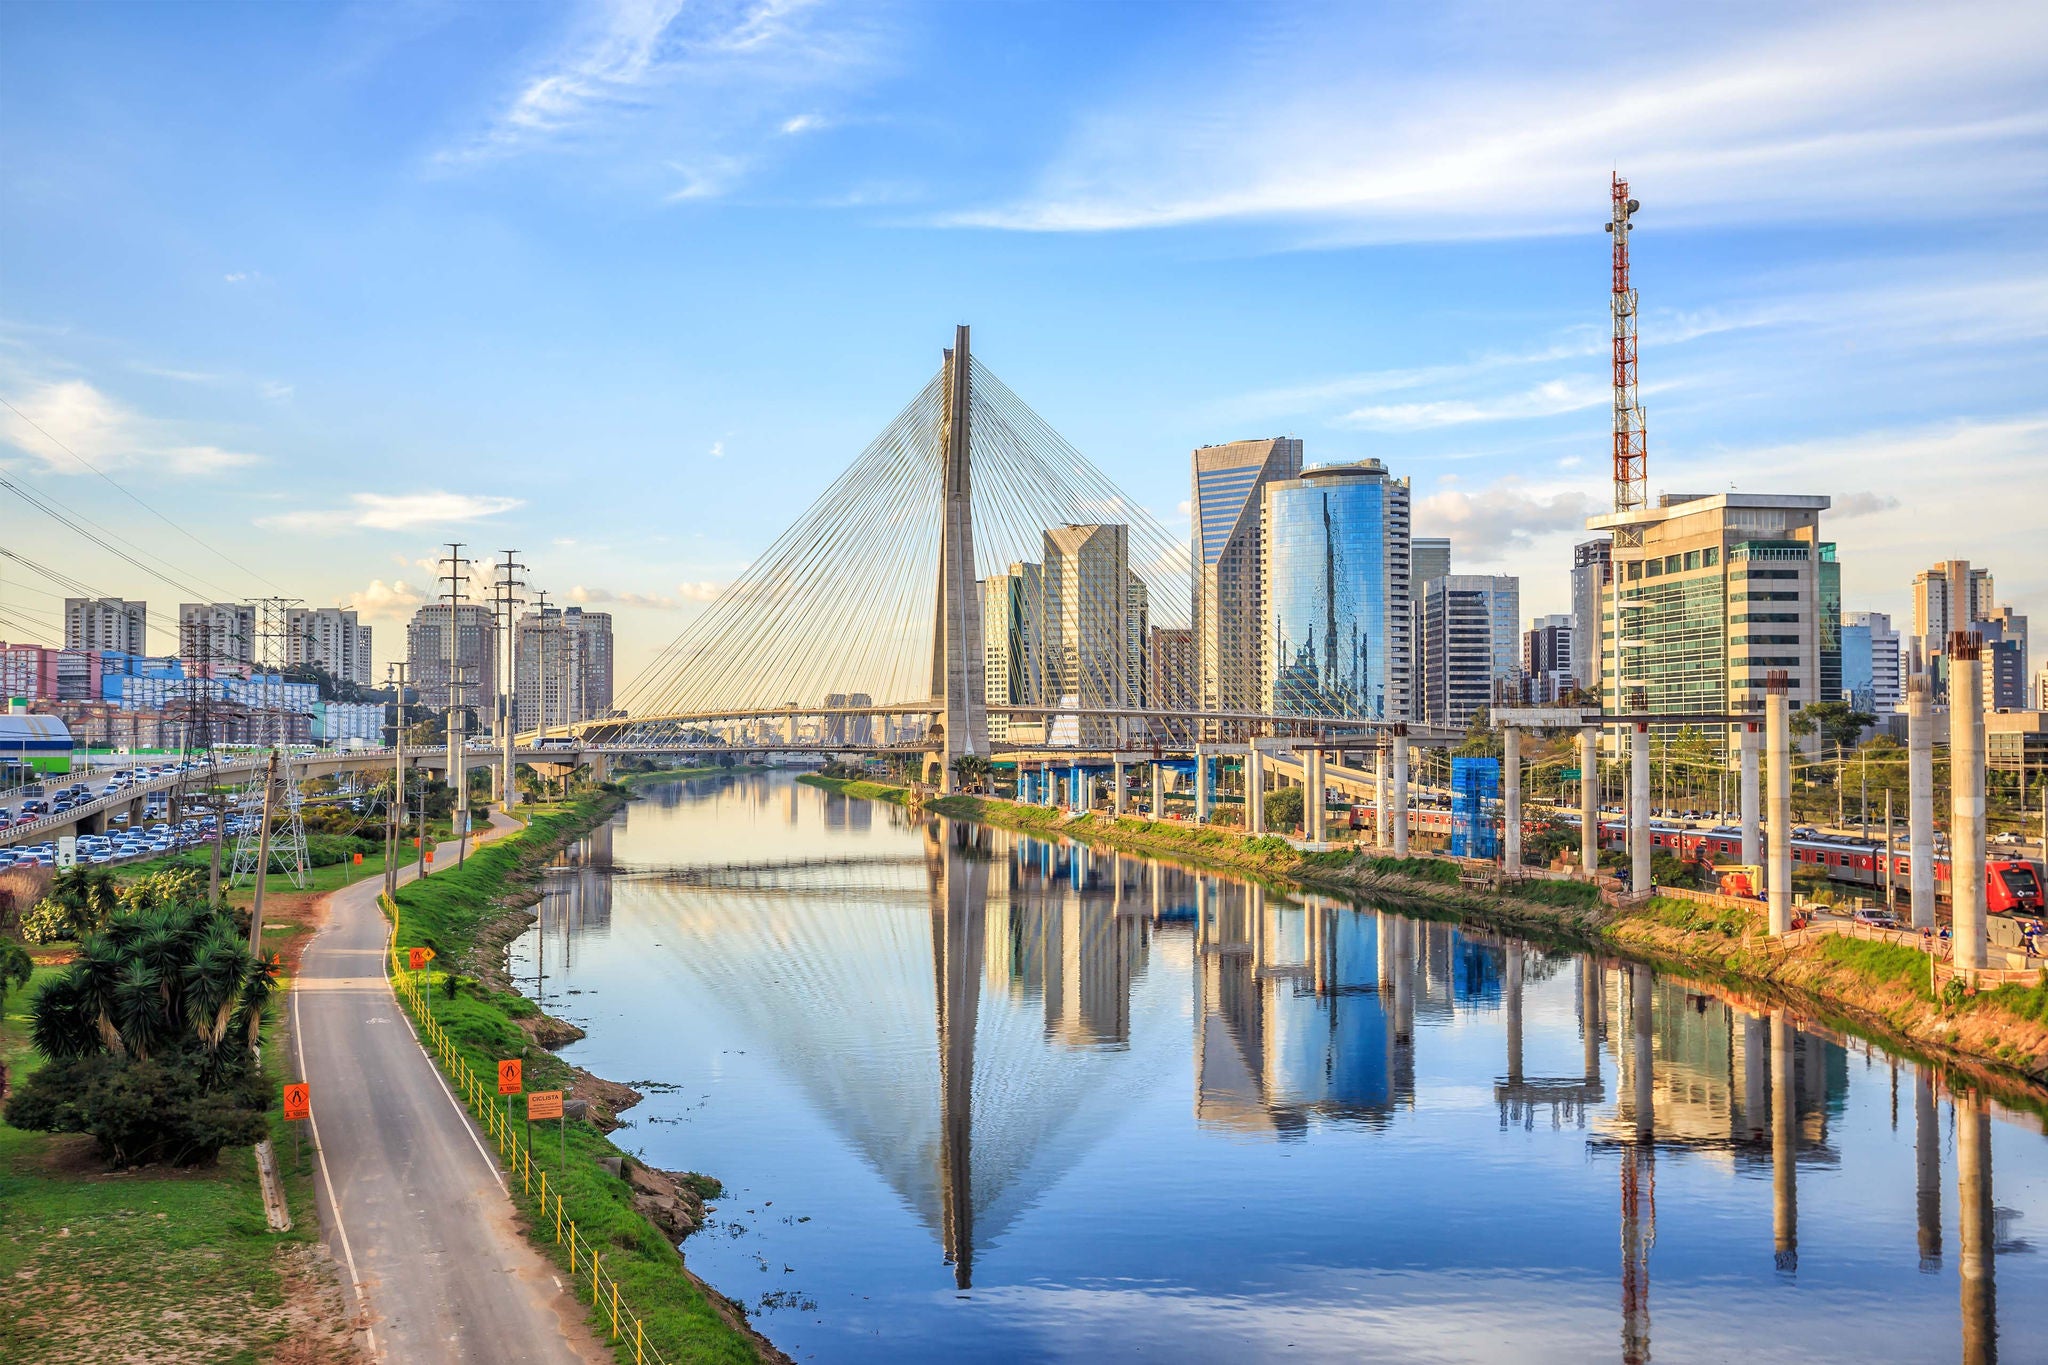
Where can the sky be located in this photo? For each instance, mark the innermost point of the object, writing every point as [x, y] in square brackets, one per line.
[291, 294]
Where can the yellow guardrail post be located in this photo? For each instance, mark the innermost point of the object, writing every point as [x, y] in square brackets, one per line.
[596, 1276]
[638, 1346]
[615, 1307]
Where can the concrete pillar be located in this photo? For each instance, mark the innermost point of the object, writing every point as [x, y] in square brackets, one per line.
[1511, 802]
[1077, 793]
[1966, 805]
[1927, 1170]
[1643, 1068]
[1756, 1071]
[1639, 810]
[1974, 1222]
[1589, 799]
[1116, 793]
[1158, 791]
[1400, 796]
[1513, 998]
[1778, 875]
[1381, 815]
[1201, 785]
[1746, 783]
[1404, 980]
[1313, 812]
[1201, 914]
[1784, 1147]
[1920, 800]
[1254, 789]
[1591, 1003]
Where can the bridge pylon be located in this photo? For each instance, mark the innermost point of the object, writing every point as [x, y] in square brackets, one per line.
[959, 689]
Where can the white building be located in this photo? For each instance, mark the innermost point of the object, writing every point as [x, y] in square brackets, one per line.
[330, 638]
[1468, 639]
[217, 632]
[335, 721]
[107, 624]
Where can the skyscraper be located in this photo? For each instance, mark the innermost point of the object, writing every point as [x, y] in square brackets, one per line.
[217, 632]
[1548, 648]
[1013, 669]
[1592, 571]
[562, 666]
[1872, 663]
[1087, 623]
[1948, 597]
[464, 672]
[1228, 555]
[1467, 640]
[1429, 557]
[1336, 594]
[332, 638]
[2005, 658]
[106, 624]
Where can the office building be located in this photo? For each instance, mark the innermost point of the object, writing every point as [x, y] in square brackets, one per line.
[1013, 672]
[331, 639]
[451, 658]
[1873, 677]
[858, 730]
[1336, 594]
[217, 632]
[1170, 664]
[106, 623]
[1592, 572]
[1429, 557]
[1468, 645]
[2041, 689]
[1228, 562]
[1087, 580]
[2005, 658]
[1947, 597]
[563, 667]
[1548, 650]
[1715, 593]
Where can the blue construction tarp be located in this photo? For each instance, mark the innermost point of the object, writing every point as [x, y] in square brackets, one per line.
[1475, 790]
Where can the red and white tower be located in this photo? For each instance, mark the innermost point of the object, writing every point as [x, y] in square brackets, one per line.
[1631, 449]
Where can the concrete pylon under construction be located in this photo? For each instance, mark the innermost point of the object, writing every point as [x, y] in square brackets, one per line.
[959, 693]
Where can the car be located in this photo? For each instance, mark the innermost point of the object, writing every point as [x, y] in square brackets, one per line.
[2008, 839]
[1876, 918]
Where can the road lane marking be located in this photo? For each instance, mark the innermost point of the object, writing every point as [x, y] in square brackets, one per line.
[333, 1195]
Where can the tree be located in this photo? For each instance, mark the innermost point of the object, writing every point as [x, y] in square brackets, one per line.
[1838, 724]
[1284, 808]
[16, 967]
[152, 1036]
[1481, 739]
[970, 769]
[78, 903]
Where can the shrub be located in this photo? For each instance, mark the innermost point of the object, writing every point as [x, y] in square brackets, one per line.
[1284, 809]
[165, 887]
[144, 1110]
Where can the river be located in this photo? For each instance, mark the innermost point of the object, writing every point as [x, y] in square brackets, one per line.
[981, 1097]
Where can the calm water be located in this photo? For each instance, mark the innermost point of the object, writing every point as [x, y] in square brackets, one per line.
[982, 1097]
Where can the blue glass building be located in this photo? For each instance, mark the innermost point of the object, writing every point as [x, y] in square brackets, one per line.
[1336, 593]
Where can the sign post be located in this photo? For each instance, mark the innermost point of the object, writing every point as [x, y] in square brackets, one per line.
[298, 1104]
[509, 1084]
[546, 1104]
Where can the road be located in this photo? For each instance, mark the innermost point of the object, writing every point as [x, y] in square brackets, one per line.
[411, 1200]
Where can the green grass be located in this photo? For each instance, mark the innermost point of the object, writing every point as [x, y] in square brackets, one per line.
[1562, 895]
[639, 779]
[873, 791]
[447, 912]
[1674, 912]
[165, 1265]
[1886, 963]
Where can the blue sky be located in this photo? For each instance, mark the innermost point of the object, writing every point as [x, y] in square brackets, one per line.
[625, 285]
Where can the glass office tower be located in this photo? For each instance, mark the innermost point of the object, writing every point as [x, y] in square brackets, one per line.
[1335, 594]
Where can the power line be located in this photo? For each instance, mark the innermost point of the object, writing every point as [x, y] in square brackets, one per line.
[125, 492]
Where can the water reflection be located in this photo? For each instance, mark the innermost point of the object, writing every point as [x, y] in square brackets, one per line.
[970, 1011]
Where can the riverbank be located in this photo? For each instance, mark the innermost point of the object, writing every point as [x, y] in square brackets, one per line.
[632, 780]
[1878, 989]
[469, 917]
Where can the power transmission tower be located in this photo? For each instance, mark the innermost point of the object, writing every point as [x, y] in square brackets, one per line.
[253, 846]
[507, 602]
[454, 596]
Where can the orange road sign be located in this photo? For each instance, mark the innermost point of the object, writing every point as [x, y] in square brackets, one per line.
[509, 1077]
[544, 1104]
[298, 1102]
[416, 958]
[359, 859]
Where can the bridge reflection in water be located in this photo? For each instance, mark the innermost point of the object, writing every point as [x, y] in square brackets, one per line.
[1004, 985]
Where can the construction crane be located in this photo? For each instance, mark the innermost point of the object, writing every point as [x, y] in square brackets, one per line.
[1631, 450]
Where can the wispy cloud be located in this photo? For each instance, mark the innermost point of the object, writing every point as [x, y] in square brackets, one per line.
[696, 90]
[1730, 115]
[393, 601]
[1547, 399]
[55, 420]
[601, 597]
[1489, 524]
[394, 512]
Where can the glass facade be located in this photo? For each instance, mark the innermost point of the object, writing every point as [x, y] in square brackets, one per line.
[1332, 608]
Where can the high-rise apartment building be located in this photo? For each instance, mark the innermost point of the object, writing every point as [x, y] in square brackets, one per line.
[332, 639]
[1335, 595]
[849, 729]
[1228, 564]
[1012, 631]
[108, 624]
[1946, 598]
[1873, 663]
[1428, 557]
[562, 667]
[1468, 644]
[1088, 579]
[217, 632]
[2041, 689]
[2005, 658]
[1592, 572]
[451, 659]
[1170, 665]
[1713, 593]
[1549, 647]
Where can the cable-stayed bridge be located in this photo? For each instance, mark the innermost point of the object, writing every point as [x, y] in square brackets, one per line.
[971, 585]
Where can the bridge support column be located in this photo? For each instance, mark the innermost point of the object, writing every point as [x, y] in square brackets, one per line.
[1976, 1229]
[1746, 791]
[1966, 802]
[1380, 800]
[1511, 809]
[1589, 799]
[1927, 1169]
[1778, 876]
[1920, 799]
[1158, 811]
[1400, 796]
[1784, 1148]
[1639, 810]
[1254, 789]
[1116, 794]
[1313, 812]
[1201, 785]
[600, 770]
[1512, 995]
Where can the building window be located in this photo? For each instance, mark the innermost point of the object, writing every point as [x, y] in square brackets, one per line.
[1671, 563]
[1711, 556]
[1692, 559]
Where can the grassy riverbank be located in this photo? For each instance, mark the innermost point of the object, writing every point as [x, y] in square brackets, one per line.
[644, 777]
[1875, 987]
[467, 917]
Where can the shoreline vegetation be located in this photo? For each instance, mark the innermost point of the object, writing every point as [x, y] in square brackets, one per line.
[1879, 989]
[470, 917]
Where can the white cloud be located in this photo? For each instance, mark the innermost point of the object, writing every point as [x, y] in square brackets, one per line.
[1547, 399]
[393, 601]
[804, 123]
[1486, 525]
[703, 591]
[1862, 504]
[1728, 114]
[595, 597]
[395, 512]
[717, 451]
[73, 414]
[239, 276]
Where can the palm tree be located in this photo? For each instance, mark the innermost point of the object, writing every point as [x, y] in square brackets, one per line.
[16, 967]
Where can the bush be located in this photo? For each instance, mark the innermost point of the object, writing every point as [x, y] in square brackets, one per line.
[165, 887]
[141, 1111]
[1284, 809]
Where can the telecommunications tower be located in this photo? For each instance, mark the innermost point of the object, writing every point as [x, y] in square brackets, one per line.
[1631, 449]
